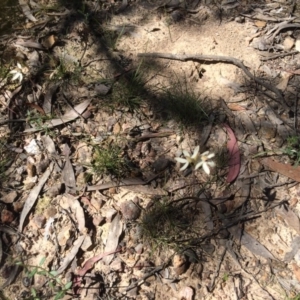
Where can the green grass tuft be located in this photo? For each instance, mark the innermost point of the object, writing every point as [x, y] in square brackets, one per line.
[109, 161]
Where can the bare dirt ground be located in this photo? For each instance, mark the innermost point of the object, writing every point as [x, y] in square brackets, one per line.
[99, 98]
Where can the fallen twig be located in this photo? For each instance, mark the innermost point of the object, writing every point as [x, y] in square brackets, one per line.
[216, 58]
[278, 55]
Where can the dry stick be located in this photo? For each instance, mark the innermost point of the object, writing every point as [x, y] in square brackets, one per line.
[292, 25]
[216, 58]
[264, 58]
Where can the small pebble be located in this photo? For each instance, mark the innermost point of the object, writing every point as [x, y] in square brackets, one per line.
[7, 216]
[130, 210]
[10, 197]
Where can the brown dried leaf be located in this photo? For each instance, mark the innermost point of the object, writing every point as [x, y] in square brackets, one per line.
[283, 169]
[30, 201]
[68, 176]
[235, 106]
[234, 153]
[89, 264]
[51, 89]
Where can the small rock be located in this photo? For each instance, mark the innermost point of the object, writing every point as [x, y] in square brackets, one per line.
[112, 191]
[139, 248]
[110, 214]
[239, 19]
[186, 293]
[39, 221]
[160, 164]
[97, 203]
[10, 197]
[87, 243]
[288, 43]
[55, 190]
[7, 216]
[18, 206]
[97, 219]
[117, 265]
[130, 210]
[42, 166]
[63, 236]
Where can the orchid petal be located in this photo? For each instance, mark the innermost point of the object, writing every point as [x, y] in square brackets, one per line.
[196, 151]
[181, 160]
[184, 167]
[198, 165]
[205, 153]
[211, 163]
[210, 155]
[20, 77]
[19, 65]
[186, 154]
[16, 76]
[206, 168]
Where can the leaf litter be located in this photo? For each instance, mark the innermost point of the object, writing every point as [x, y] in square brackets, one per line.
[96, 213]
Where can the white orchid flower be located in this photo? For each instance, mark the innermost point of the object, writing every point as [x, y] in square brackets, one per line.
[204, 163]
[18, 75]
[197, 160]
[189, 159]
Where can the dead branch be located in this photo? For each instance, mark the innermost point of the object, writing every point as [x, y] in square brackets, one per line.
[216, 58]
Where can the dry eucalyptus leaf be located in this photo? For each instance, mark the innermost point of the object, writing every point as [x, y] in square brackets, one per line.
[26, 10]
[67, 117]
[115, 230]
[30, 201]
[289, 217]
[30, 44]
[68, 176]
[51, 90]
[49, 144]
[71, 255]
[283, 169]
[250, 242]
[70, 203]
